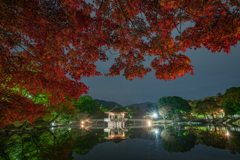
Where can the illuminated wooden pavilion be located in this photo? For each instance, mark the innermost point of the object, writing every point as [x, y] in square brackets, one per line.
[116, 118]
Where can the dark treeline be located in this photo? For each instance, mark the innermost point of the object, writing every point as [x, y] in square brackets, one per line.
[227, 104]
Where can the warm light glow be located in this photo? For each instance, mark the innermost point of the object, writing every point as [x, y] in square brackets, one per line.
[227, 133]
[82, 122]
[149, 123]
[82, 125]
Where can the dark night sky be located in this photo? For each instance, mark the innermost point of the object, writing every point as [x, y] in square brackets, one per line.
[213, 73]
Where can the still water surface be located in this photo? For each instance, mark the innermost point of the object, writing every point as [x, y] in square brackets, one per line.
[139, 143]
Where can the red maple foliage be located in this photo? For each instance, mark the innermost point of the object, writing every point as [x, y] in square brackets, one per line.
[43, 41]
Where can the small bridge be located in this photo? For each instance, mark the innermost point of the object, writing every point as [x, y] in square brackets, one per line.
[127, 127]
[94, 120]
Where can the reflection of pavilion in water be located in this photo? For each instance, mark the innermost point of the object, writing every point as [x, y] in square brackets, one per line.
[116, 134]
[116, 125]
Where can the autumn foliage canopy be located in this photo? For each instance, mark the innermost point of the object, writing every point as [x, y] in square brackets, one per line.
[42, 41]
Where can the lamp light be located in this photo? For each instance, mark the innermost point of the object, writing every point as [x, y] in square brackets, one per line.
[154, 115]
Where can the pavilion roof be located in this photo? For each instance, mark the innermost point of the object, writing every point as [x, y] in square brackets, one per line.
[116, 110]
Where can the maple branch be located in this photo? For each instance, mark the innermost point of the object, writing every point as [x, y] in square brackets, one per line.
[125, 12]
[104, 15]
[20, 45]
[101, 4]
[186, 10]
[67, 16]
[206, 16]
[131, 10]
[157, 25]
[165, 14]
[172, 21]
[39, 12]
[158, 29]
[49, 17]
[229, 12]
[157, 21]
[12, 97]
[11, 63]
[181, 26]
[136, 26]
[119, 18]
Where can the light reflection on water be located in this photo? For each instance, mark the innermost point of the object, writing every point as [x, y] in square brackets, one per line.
[132, 142]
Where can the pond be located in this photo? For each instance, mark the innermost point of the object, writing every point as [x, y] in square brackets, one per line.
[166, 142]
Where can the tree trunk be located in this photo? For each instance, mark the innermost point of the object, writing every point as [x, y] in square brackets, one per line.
[53, 119]
[212, 117]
